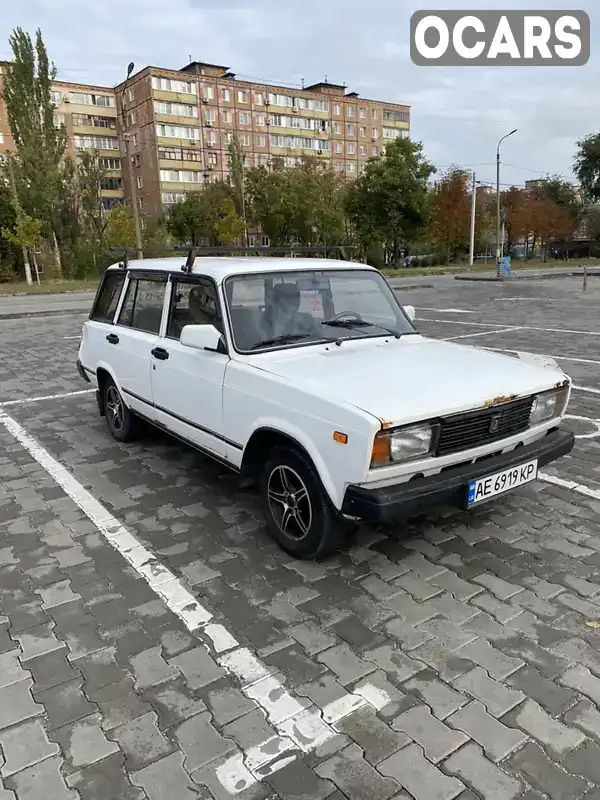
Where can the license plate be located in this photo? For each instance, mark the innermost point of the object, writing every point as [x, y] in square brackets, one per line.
[500, 482]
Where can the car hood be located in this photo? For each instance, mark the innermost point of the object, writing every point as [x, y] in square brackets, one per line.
[404, 380]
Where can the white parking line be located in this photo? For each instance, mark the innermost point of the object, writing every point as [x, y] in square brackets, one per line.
[479, 333]
[572, 485]
[586, 389]
[508, 327]
[446, 310]
[300, 728]
[73, 337]
[24, 400]
[555, 357]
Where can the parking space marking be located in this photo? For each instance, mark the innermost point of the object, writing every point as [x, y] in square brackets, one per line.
[575, 487]
[480, 333]
[509, 327]
[586, 389]
[23, 400]
[301, 728]
[446, 310]
[555, 357]
[78, 336]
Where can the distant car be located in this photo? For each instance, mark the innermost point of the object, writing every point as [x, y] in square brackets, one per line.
[308, 378]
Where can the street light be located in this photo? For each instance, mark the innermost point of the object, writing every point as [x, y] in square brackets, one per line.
[128, 158]
[498, 245]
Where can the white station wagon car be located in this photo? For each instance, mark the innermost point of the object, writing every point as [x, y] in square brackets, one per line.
[308, 377]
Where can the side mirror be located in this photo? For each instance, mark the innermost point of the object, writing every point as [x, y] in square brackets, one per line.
[410, 312]
[202, 337]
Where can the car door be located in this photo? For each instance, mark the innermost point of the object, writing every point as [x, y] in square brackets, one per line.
[134, 337]
[187, 384]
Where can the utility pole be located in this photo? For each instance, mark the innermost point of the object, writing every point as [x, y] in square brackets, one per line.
[13, 188]
[472, 237]
[498, 256]
[127, 138]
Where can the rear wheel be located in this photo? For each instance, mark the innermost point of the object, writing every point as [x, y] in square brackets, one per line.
[122, 424]
[298, 512]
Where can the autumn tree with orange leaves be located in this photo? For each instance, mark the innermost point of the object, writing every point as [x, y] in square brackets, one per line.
[450, 213]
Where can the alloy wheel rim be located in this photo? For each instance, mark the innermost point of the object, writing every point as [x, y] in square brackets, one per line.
[289, 503]
[114, 409]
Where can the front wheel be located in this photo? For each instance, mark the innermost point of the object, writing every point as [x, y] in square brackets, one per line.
[121, 423]
[298, 512]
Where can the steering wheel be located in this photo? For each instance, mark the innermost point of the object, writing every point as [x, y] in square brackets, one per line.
[351, 314]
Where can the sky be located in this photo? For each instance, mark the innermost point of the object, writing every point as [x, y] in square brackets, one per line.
[457, 113]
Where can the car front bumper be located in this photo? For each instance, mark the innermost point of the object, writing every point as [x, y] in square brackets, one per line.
[449, 487]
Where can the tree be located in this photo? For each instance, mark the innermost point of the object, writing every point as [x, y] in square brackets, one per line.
[586, 166]
[26, 233]
[89, 178]
[40, 143]
[238, 179]
[196, 218]
[450, 212]
[8, 251]
[230, 226]
[389, 201]
[120, 230]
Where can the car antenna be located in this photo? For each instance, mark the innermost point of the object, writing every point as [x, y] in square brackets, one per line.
[189, 262]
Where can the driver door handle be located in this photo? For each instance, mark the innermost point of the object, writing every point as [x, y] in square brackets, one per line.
[160, 353]
[112, 338]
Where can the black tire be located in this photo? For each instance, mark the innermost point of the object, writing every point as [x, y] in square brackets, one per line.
[304, 523]
[122, 424]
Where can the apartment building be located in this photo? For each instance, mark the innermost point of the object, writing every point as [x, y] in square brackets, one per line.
[89, 115]
[181, 122]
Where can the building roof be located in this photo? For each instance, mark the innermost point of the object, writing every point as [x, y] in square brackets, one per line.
[221, 267]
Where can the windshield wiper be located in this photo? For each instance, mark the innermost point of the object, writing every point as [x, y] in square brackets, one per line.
[360, 323]
[286, 338]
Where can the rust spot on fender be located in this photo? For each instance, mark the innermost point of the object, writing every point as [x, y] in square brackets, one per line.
[499, 399]
[386, 423]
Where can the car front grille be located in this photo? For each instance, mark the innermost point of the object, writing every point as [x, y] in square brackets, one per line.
[476, 428]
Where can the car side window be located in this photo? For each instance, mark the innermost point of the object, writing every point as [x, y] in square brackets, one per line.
[192, 303]
[108, 296]
[143, 304]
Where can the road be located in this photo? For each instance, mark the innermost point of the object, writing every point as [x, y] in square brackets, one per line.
[154, 643]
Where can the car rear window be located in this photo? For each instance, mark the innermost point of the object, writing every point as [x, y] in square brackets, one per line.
[107, 298]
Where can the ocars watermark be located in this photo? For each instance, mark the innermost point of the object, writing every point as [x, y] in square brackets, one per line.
[500, 38]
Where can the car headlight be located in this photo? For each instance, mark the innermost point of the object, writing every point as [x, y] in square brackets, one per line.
[549, 405]
[403, 444]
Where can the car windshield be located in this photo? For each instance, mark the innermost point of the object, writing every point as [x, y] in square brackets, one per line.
[294, 308]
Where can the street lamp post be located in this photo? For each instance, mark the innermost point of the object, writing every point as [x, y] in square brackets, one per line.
[498, 245]
[135, 211]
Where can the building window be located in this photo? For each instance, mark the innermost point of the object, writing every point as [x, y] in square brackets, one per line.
[337, 109]
[337, 147]
[245, 139]
[210, 116]
[170, 198]
[374, 113]
[208, 92]
[175, 109]
[109, 163]
[337, 127]
[177, 131]
[130, 95]
[262, 160]
[244, 118]
[1, 138]
[362, 113]
[351, 167]
[350, 111]
[89, 121]
[111, 184]
[260, 119]
[351, 130]
[362, 131]
[227, 117]
[374, 151]
[375, 133]
[259, 98]
[56, 98]
[225, 95]
[134, 139]
[242, 96]
[351, 149]
[168, 85]
[140, 182]
[363, 149]
[261, 140]
[59, 119]
[95, 143]
[396, 116]
[212, 139]
[180, 176]
[85, 99]
[265, 241]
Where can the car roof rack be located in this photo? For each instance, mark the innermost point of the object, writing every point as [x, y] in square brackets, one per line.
[222, 250]
[285, 250]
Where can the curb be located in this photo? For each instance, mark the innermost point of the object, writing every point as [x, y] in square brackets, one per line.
[515, 275]
[412, 286]
[56, 313]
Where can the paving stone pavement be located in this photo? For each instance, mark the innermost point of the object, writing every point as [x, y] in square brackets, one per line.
[478, 630]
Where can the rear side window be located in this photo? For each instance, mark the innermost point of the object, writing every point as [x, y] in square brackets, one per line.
[107, 298]
[143, 304]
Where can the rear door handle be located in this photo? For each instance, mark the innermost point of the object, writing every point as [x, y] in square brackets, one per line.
[112, 338]
[160, 353]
